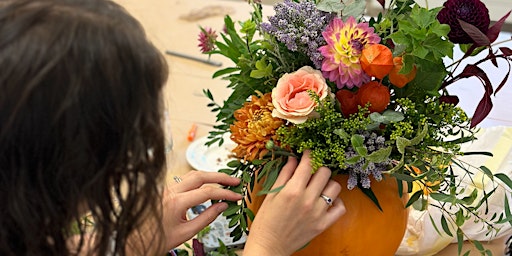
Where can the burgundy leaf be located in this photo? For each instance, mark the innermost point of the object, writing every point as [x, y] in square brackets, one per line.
[198, 247]
[478, 72]
[471, 49]
[495, 29]
[482, 110]
[476, 35]
[507, 51]
[485, 105]
[382, 3]
[505, 79]
[492, 57]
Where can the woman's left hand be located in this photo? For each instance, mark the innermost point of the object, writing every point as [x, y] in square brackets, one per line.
[191, 190]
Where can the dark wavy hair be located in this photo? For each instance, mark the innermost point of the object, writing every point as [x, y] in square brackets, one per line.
[80, 126]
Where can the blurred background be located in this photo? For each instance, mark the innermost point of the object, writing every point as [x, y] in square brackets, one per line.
[497, 8]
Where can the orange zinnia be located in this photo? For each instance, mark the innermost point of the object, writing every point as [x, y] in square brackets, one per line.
[254, 127]
[376, 60]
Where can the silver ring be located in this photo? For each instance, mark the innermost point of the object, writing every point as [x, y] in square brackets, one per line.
[177, 179]
[327, 199]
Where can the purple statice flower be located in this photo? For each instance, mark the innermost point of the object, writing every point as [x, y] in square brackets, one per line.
[360, 172]
[299, 26]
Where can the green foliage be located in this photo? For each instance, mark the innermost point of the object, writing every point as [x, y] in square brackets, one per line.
[423, 43]
[223, 250]
[422, 135]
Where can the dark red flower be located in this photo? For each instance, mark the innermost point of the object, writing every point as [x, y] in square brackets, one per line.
[473, 12]
[450, 99]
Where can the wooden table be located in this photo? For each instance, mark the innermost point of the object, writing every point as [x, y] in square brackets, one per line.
[167, 28]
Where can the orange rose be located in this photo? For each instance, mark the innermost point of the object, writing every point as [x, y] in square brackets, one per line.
[291, 98]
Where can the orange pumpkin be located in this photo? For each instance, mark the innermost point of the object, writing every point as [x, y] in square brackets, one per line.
[363, 229]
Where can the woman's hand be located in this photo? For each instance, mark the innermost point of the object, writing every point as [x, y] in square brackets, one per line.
[290, 218]
[189, 192]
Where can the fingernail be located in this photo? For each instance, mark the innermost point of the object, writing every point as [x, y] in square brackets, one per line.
[222, 207]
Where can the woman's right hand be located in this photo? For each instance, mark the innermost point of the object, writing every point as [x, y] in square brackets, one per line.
[289, 219]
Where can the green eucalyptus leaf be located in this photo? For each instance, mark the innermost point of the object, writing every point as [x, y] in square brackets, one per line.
[460, 240]
[377, 117]
[373, 126]
[391, 116]
[355, 9]
[505, 179]
[380, 155]
[468, 200]
[434, 224]
[404, 177]
[353, 160]
[362, 151]
[459, 218]
[508, 214]
[419, 137]
[369, 193]
[443, 197]
[342, 133]
[334, 6]
[357, 140]
[445, 226]
[401, 144]
[414, 198]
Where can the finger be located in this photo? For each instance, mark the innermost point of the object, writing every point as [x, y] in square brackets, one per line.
[332, 189]
[303, 173]
[286, 172]
[196, 179]
[329, 194]
[335, 211]
[202, 220]
[318, 181]
[194, 197]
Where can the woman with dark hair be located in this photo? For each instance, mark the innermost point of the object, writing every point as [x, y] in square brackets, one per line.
[80, 134]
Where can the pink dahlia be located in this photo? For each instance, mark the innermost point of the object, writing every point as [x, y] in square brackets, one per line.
[473, 12]
[345, 41]
[207, 38]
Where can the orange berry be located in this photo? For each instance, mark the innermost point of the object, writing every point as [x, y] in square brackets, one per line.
[376, 94]
[376, 60]
[397, 79]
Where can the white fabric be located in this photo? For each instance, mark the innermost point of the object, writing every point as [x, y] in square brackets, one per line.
[421, 237]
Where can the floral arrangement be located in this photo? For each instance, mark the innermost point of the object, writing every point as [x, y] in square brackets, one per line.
[367, 95]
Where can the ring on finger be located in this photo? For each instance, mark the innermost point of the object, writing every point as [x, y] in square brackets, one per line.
[327, 199]
[177, 179]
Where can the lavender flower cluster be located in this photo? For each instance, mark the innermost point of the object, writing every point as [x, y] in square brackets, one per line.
[361, 171]
[299, 26]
